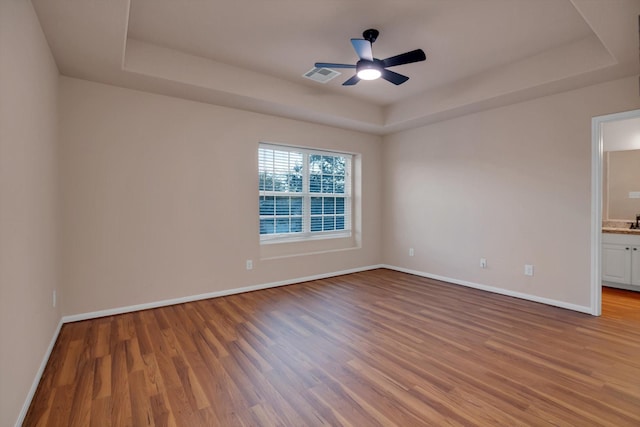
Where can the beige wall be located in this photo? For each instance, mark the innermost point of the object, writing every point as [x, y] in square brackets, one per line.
[160, 198]
[28, 203]
[510, 184]
[623, 173]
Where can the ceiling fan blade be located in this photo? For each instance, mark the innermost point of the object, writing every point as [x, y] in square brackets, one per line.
[395, 78]
[405, 58]
[363, 48]
[330, 65]
[353, 80]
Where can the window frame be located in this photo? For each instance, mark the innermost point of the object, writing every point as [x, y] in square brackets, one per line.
[306, 234]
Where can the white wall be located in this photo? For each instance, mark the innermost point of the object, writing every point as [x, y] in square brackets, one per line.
[621, 135]
[160, 198]
[28, 203]
[623, 177]
[510, 184]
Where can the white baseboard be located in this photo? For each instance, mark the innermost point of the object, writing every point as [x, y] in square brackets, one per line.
[534, 298]
[620, 286]
[36, 380]
[181, 300]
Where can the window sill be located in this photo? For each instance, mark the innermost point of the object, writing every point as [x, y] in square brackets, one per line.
[305, 238]
[316, 245]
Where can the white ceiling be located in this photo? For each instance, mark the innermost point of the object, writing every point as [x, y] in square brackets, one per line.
[251, 54]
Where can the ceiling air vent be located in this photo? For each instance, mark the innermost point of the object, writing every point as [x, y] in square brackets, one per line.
[321, 75]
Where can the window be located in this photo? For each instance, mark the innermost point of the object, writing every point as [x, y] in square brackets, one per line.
[303, 193]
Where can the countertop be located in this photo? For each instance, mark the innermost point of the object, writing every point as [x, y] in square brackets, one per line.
[613, 230]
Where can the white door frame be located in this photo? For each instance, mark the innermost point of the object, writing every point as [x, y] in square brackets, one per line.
[597, 148]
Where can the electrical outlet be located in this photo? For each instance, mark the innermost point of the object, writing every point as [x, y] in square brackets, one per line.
[411, 252]
[483, 263]
[249, 264]
[528, 270]
[54, 298]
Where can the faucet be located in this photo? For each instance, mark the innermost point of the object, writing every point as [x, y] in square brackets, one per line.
[636, 226]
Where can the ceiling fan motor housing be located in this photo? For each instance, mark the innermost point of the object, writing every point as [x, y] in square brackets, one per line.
[364, 64]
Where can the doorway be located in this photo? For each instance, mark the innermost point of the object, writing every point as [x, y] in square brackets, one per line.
[597, 156]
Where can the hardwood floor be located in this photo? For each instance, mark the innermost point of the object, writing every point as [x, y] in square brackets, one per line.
[621, 304]
[378, 348]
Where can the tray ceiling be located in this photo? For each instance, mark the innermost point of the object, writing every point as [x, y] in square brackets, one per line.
[251, 54]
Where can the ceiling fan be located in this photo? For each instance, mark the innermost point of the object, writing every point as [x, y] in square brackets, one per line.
[370, 68]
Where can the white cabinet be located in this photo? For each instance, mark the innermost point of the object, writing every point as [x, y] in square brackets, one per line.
[616, 263]
[635, 265]
[621, 260]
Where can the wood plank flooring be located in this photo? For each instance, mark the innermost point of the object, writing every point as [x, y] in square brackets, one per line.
[378, 348]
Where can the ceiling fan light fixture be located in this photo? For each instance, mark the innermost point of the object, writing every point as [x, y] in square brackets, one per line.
[369, 74]
[368, 71]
